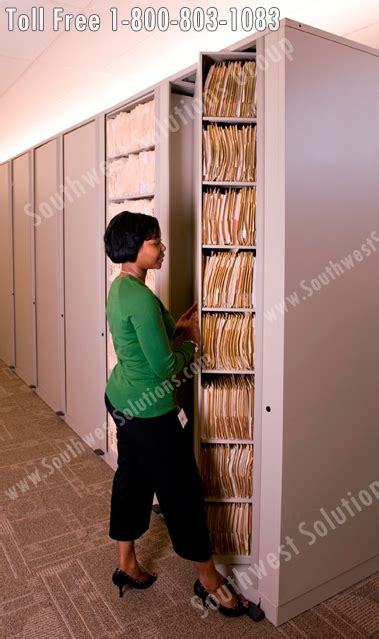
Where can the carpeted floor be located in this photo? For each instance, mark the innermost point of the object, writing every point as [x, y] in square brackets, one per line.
[56, 559]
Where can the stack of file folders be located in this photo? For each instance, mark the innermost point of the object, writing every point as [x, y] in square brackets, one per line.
[229, 89]
[230, 528]
[227, 407]
[131, 130]
[135, 206]
[228, 340]
[228, 279]
[229, 216]
[132, 176]
[227, 470]
[229, 153]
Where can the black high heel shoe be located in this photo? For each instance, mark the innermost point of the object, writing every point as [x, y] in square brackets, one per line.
[121, 579]
[252, 610]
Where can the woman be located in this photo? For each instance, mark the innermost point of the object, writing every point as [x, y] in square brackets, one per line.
[154, 448]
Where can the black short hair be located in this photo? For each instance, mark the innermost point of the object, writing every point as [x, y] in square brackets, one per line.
[125, 234]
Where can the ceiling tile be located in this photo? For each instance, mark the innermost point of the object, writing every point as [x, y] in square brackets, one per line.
[73, 6]
[10, 70]
[341, 16]
[41, 81]
[57, 79]
[25, 44]
[368, 36]
[91, 50]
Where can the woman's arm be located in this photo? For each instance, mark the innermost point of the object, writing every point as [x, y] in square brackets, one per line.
[147, 320]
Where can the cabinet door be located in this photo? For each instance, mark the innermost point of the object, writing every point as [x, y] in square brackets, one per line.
[23, 229]
[6, 268]
[49, 274]
[84, 260]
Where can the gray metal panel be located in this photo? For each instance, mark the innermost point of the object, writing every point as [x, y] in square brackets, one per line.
[259, 318]
[181, 220]
[6, 268]
[252, 39]
[23, 269]
[198, 203]
[49, 277]
[84, 283]
[161, 197]
[331, 353]
[181, 212]
[270, 341]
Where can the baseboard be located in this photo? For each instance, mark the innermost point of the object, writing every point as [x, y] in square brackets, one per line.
[278, 615]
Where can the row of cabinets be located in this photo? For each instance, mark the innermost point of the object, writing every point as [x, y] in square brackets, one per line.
[52, 323]
[317, 369]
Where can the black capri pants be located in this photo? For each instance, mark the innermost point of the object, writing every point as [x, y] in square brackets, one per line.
[155, 455]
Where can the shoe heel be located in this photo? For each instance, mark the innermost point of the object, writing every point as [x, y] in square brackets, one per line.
[121, 579]
[118, 582]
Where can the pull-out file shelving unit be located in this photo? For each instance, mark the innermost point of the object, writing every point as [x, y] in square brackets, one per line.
[226, 461]
[161, 138]
[131, 143]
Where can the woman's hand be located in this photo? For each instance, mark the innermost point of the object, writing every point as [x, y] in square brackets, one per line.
[191, 330]
[184, 322]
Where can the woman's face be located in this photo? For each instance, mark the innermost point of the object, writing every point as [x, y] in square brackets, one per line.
[151, 253]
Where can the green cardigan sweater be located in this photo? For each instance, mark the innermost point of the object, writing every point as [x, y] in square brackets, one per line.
[144, 379]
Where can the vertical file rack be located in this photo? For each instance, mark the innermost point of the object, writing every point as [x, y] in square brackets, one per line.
[131, 137]
[224, 451]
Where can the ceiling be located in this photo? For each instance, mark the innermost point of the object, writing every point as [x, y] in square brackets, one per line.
[51, 80]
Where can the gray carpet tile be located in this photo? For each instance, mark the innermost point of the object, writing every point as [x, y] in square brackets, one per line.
[56, 559]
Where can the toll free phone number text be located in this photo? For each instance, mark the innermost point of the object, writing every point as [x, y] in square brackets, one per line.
[148, 19]
[198, 19]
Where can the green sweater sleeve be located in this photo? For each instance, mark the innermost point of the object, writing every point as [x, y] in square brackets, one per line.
[146, 318]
